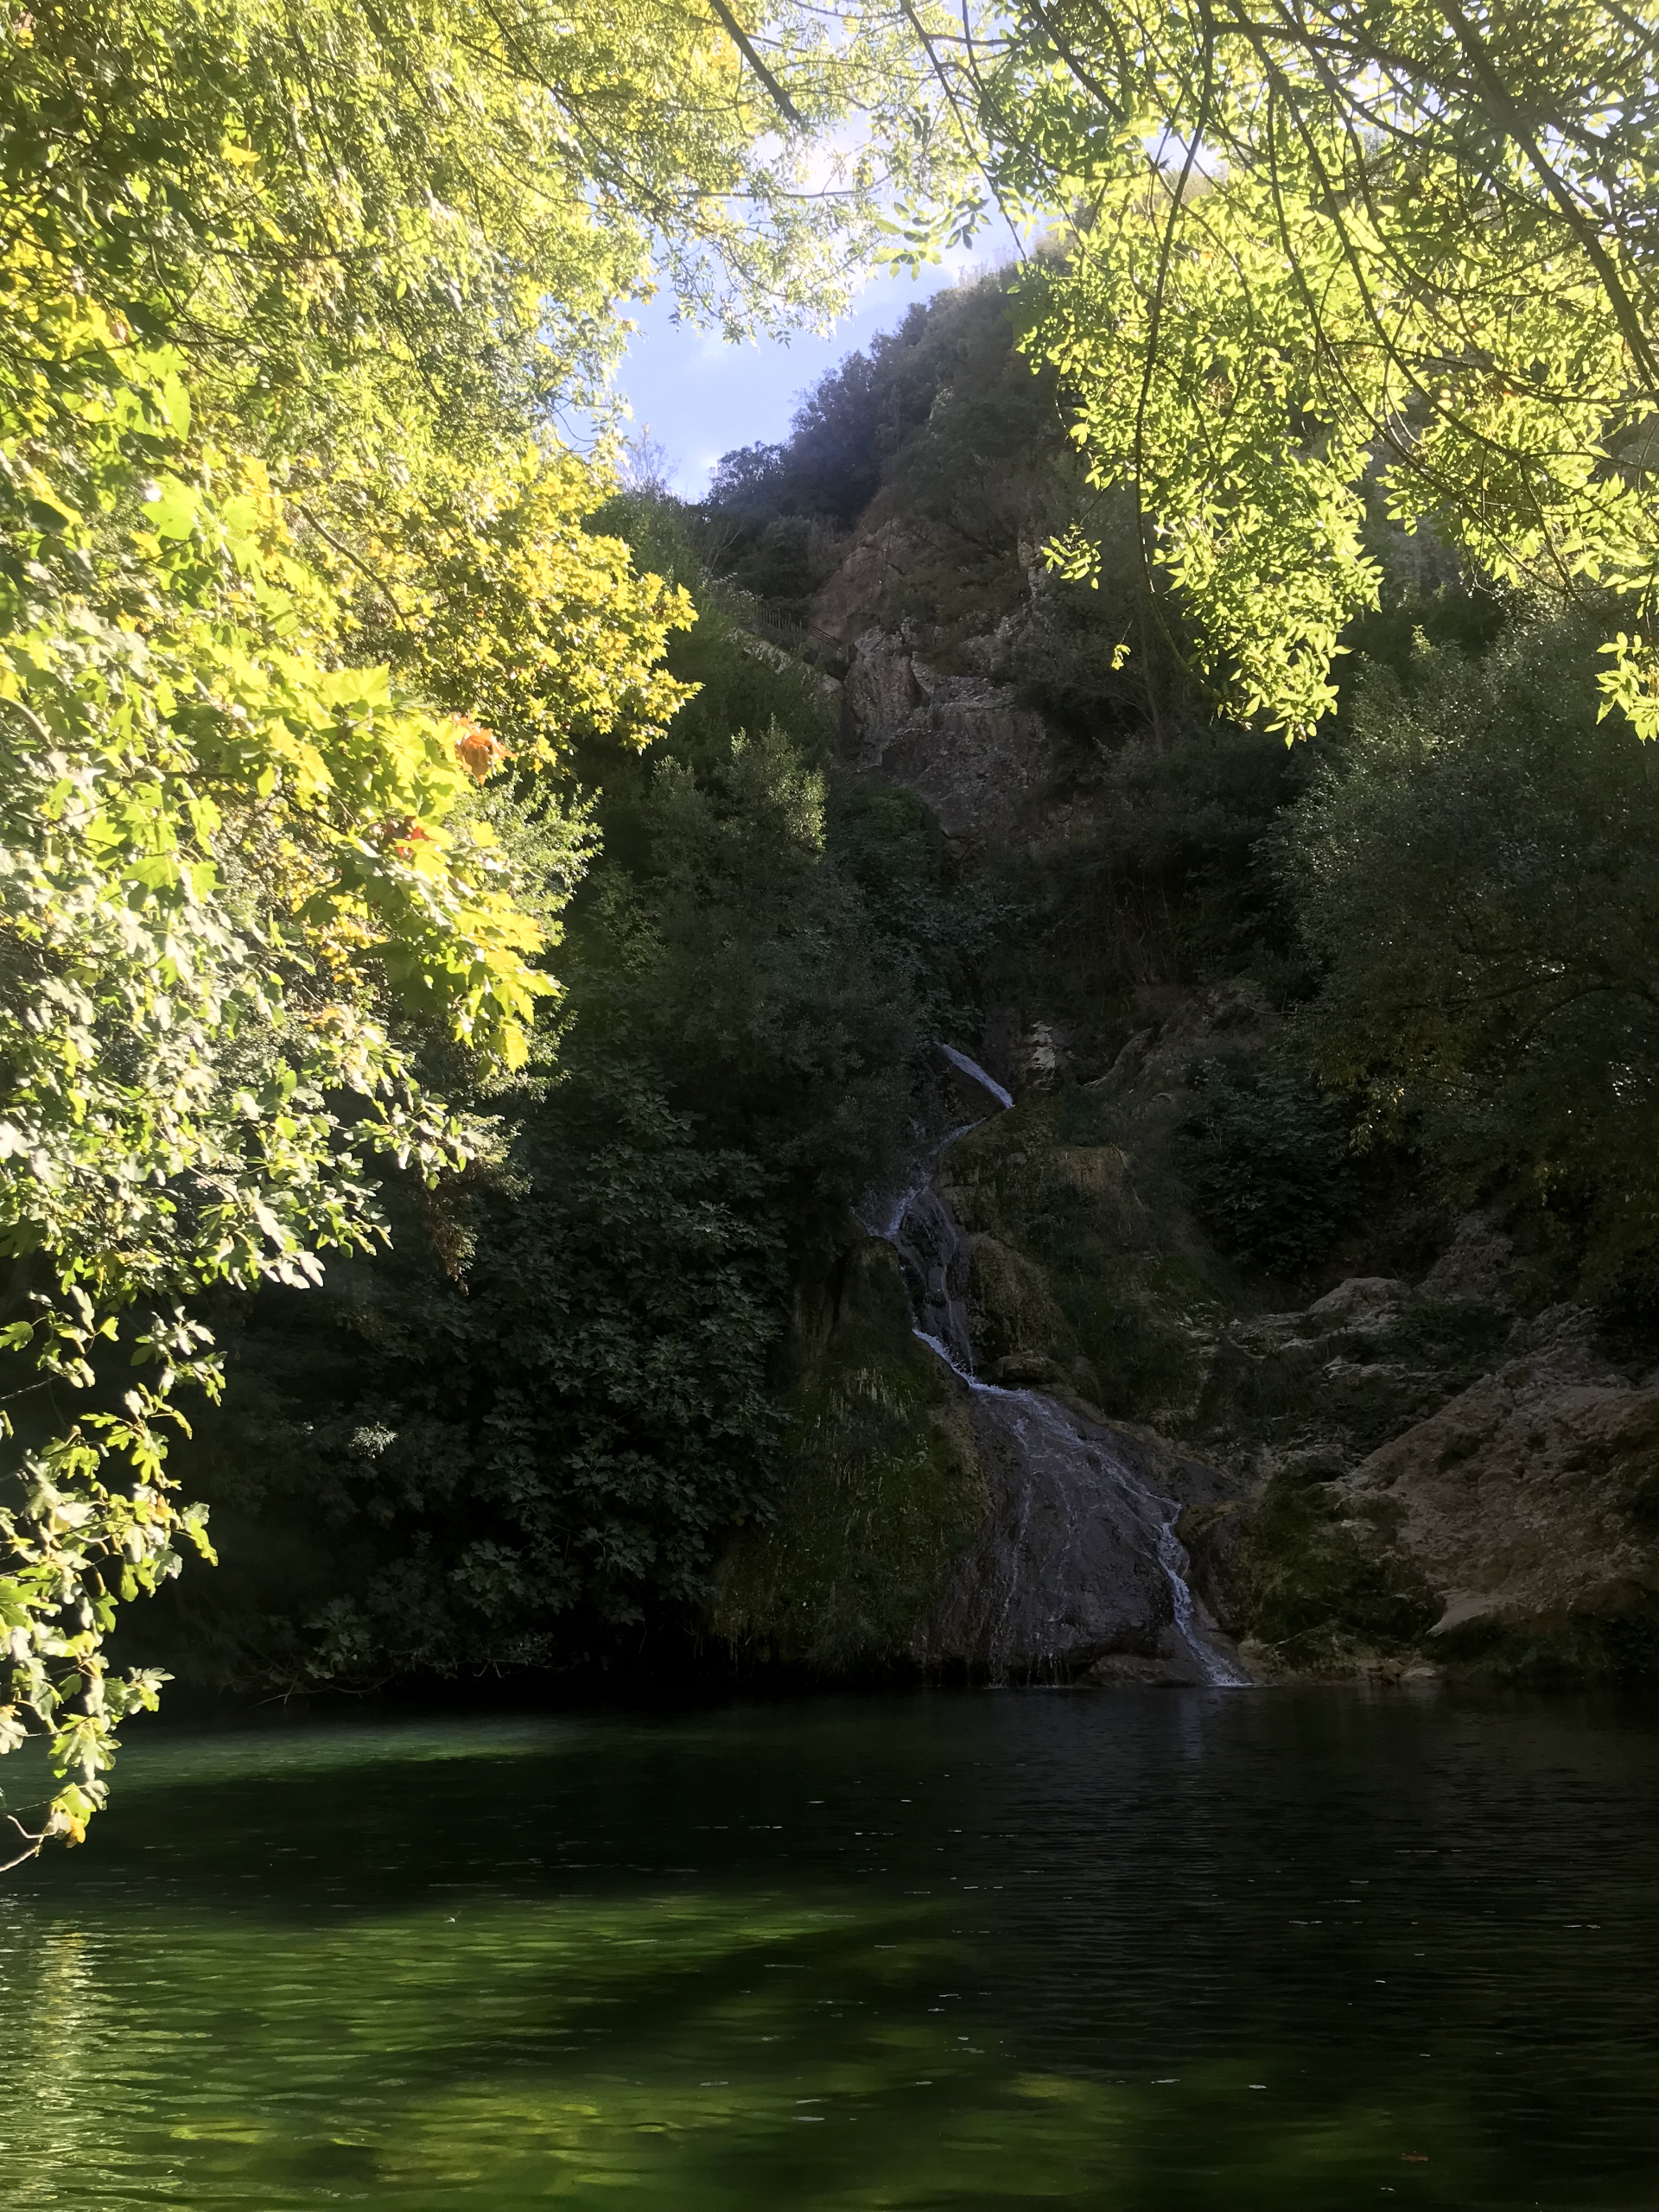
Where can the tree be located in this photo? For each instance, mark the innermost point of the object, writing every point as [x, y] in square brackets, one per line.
[237, 869]
[1476, 875]
[1319, 260]
[291, 554]
[525, 1434]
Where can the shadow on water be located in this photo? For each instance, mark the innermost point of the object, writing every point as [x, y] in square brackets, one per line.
[1141, 1950]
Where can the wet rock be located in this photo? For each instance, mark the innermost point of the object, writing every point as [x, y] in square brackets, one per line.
[1044, 1053]
[1210, 1533]
[1365, 1302]
[1359, 1364]
[1065, 1569]
[1019, 1369]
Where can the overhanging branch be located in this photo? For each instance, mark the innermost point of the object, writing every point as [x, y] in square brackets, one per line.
[744, 46]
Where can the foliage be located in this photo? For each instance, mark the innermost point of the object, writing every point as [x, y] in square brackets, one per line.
[544, 1457]
[1266, 1160]
[1475, 875]
[227, 858]
[831, 465]
[1073, 1187]
[1328, 246]
[344, 201]
[941, 420]
[848, 429]
[526, 1431]
[882, 1489]
[741, 681]
[887, 845]
[289, 558]
[1159, 880]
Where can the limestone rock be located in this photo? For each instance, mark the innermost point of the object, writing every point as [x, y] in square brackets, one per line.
[1063, 1580]
[1011, 1311]
[1479, 1265]
[964, 745]
[871, 567]
[1529, 1507]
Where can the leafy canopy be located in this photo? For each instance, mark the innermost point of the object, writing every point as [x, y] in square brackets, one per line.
[1317, 256]
[1476, 875]
[290, 554]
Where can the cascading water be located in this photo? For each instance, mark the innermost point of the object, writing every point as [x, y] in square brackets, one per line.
[1079, 1567]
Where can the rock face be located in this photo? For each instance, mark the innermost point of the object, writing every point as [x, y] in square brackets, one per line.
[1510, 1524]
[966, 746]
[1408, 1469]
[1529, 1509]
[876, 561]
[1075, 1564]
[1075, 1574]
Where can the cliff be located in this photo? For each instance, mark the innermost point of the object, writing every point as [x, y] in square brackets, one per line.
[1397, 1449]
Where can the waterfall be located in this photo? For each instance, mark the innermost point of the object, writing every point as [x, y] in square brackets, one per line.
[1079, 1565]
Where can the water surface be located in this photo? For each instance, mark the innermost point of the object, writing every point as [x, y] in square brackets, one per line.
[1141, 1950]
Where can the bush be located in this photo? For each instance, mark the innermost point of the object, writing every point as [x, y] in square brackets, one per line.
[527, 1432]
[1476, 875]
[1267, 1162]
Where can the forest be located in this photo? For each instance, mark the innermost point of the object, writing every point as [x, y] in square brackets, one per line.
[469, 971]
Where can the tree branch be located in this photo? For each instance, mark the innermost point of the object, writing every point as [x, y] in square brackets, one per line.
[1497, 91]
[740, 39]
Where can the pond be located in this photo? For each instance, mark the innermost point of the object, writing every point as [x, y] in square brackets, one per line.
[1138, 1950]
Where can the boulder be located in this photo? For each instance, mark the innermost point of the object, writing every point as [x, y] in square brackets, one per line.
[1528, 1507]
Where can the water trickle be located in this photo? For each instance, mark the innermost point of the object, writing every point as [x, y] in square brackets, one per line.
[975, 1073]
[1077, 1566]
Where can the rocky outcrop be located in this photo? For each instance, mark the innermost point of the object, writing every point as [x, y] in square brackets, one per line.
[1408, 1472]
[1441, 1486]
[1314, 1391]
[980, 759]
[876, 562]
[1528, 1509]
[1014, 1318]
[1068, 1576]
[1403, 1470]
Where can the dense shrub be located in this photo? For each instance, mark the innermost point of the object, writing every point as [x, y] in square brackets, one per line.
[1477, 877]
[524, 1433]
[1267, 1162]
[548, 1450]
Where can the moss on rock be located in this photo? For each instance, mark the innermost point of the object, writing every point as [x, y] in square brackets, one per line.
[884, 1491]
[1304, 1591]
[1019, 1330]
[1078, 1266]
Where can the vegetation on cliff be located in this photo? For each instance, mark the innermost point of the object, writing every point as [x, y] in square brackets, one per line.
[525, 1434]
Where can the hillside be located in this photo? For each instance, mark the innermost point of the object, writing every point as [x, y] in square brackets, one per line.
[1323, 1211]
[1399, 1369]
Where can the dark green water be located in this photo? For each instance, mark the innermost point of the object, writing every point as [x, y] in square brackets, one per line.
[1173, 1950]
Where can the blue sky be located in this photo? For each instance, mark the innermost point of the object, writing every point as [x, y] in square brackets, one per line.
[699, 396]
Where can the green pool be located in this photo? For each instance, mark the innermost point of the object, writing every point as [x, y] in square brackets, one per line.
[1149, 1950]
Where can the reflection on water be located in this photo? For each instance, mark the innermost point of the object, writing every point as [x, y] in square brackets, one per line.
[1148, 1951]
